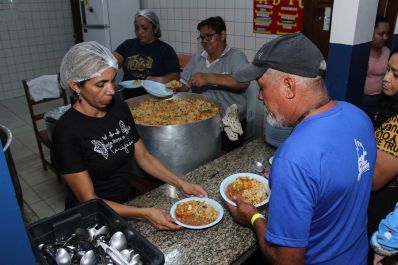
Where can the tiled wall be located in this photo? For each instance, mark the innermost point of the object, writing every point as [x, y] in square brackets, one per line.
[34, 36]
[179, 18]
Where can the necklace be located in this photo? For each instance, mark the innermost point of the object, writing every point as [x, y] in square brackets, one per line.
[313, 108]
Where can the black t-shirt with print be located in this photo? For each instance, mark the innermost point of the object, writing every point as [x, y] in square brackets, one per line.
[157, 59]
[102, 146]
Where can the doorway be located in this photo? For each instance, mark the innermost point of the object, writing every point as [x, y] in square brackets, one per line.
[77, 24]
[316, 23]
[389, 9]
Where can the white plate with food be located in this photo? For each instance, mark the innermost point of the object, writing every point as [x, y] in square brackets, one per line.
[252, 187]
[131, 83]
[156, 89]
[197, 213]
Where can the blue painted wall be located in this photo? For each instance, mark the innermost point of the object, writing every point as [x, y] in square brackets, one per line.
[15, 246]
[346, 71]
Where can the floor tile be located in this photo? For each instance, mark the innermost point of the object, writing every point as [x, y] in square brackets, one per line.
[30, 196]
[57, 202]
[19, 151]
[49, 188]
[15, 106]
[42, 209]
[23, 183]
[36, 175]
[11, 121]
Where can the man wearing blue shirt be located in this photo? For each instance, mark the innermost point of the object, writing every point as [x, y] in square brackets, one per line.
[321, 175]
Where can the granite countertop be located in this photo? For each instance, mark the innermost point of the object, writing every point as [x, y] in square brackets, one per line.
[224, 243]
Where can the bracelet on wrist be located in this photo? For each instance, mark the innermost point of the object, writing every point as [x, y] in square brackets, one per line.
[255, 217]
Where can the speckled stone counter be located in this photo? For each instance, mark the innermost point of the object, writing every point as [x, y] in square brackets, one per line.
[224, 243]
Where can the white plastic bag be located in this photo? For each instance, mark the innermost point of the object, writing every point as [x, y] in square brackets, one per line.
[231, 123]
[45, 86]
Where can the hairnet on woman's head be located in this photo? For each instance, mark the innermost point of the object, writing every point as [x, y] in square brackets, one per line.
[84, 61]
[151, 16]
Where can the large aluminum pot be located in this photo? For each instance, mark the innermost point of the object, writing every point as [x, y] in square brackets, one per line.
[183, 147]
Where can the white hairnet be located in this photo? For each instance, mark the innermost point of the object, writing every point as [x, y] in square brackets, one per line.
[84, 61]
[151, 16]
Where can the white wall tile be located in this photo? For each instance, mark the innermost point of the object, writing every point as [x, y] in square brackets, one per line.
[186, 48]
[202, 13]
[185, 4]
[202, 3]
[178, 37]
[250, 54]
[239, 42]
[239, 28]
[193, 14]
[186, 37]
[250, 43]
[211, 12]
[220, 12]
[240, 15]
[185, 13]
[249, 29]
[221, 3]
[229, 14]
[230, 28]
[178, 13]
[171, 13]
[210, 4]
[185, 25]
[178, 3]
[249, 4]
[240, 4]
[163, 4]
[193, 3]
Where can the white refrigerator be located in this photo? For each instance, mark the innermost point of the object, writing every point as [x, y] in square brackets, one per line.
[109, 22]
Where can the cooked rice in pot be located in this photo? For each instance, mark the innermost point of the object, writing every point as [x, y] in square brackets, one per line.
[173, 111]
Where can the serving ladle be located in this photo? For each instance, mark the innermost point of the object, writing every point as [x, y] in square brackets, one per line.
[258, 167]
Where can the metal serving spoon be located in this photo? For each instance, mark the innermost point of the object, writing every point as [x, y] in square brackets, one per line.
[118, 241]
[62, 257]
[258, 167]
[88, 258]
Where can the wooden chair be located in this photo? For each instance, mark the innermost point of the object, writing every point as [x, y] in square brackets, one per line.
[183, 60]
[42, 137]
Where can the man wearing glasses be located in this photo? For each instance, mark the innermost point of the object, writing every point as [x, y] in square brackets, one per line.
[210, 72]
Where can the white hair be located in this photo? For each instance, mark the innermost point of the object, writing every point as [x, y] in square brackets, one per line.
[314, 84]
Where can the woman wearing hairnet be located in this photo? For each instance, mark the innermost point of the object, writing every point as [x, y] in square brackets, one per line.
[146, 56]
[95, 142]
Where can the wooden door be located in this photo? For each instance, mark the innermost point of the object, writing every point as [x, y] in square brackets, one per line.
[314, 19]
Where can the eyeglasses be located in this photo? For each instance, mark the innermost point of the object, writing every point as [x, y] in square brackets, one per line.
[206, 37]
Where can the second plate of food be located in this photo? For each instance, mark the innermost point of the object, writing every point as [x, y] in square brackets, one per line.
[197, 213]
[252, 187]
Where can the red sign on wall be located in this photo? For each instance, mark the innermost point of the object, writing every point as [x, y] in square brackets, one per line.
[277, 16]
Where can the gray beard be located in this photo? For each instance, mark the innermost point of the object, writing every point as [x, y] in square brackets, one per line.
[274, 121]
